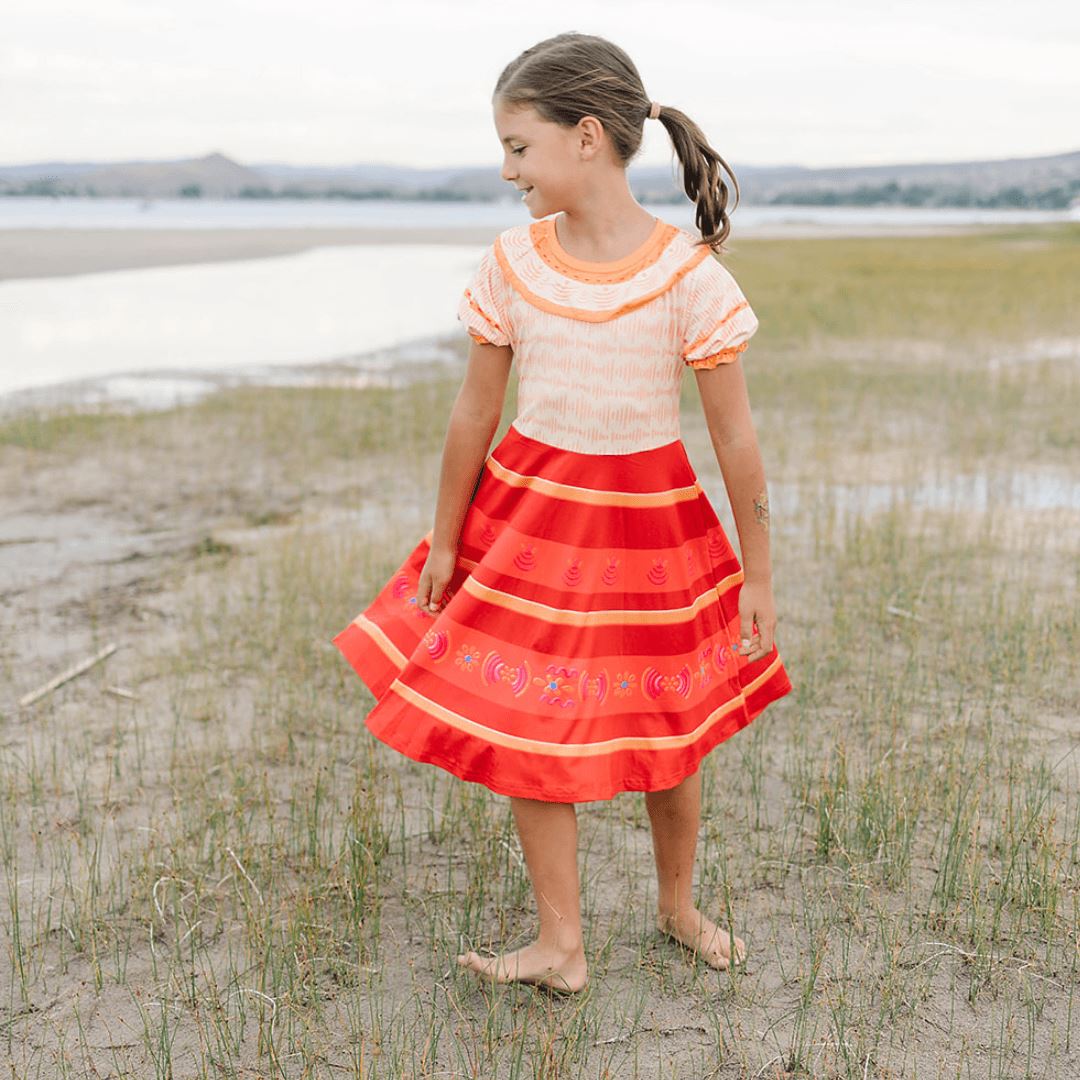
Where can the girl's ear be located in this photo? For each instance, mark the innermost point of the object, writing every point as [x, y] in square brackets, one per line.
[590, 134]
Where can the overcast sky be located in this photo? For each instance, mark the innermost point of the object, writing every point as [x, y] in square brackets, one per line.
[835, 82]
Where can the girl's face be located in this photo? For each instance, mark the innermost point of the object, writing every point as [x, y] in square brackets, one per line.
[544, 157]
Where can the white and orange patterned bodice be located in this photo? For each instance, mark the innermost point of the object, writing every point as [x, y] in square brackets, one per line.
[601, 348]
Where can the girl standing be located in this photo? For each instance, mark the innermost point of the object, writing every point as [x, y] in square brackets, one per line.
[576, 624]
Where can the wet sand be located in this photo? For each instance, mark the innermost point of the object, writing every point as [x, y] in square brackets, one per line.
[39, 253]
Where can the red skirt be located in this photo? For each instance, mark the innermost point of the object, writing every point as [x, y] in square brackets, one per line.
[588, 643]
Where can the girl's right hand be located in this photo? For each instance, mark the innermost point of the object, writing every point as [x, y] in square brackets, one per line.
[435, 576]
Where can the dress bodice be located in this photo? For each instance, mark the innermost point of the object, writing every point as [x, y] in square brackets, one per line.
[601, 347]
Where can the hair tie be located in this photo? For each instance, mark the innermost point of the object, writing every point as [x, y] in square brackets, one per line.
[654, 110]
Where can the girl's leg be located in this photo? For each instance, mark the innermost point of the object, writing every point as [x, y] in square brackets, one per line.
[556, 959]
[675, 815]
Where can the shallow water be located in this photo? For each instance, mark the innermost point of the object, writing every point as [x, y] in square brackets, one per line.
[118, 213]
[977, 492]
[150, 391]
[294, 309]
[291, 309]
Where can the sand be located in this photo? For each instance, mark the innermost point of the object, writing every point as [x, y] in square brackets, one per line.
[180, 545]
[39, 253]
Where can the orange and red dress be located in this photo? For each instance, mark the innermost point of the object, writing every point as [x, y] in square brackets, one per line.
[588, 643]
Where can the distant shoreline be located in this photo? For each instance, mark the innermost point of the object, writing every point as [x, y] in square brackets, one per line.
[44, 253]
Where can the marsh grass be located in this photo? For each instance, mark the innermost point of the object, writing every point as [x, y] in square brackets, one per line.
[230, 878]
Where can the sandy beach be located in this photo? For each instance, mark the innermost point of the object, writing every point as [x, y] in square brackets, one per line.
[208, 867]
[37, 253]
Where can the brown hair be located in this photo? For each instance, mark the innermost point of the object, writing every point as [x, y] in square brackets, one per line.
[573, 75]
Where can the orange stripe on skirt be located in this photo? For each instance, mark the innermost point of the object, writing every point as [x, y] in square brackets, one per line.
[588, 643]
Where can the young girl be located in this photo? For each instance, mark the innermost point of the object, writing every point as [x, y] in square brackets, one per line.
[576, 623]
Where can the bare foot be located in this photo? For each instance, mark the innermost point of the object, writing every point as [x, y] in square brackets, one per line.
[705, 938]
[566, 972]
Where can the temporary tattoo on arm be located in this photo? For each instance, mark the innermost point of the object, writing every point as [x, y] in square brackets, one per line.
[761, 509]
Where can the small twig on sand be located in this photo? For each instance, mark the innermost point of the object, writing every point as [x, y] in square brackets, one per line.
[64, 676]
[119, 691]
[245, 873]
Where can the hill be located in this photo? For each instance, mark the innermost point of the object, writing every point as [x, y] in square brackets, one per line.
[1046, 182]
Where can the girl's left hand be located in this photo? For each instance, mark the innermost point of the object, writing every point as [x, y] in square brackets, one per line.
[757, 620]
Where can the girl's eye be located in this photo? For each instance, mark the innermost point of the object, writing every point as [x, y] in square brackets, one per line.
[519, 149]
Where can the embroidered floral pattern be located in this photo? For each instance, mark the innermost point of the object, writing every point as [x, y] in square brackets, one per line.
[658, 574]
[565, 686]
[655, 683]
[494, 669]
[594, 685]
[703, 674]
[576, 571]
[525, 559]
[467, 657]
[555, 689]
[437, 642]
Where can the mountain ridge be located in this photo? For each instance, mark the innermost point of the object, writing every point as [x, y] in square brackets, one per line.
[1044, 180]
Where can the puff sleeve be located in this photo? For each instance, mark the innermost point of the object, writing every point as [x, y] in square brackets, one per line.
[484, 305]
[718, 322]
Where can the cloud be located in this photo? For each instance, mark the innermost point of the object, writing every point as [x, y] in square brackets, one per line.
[335, 82]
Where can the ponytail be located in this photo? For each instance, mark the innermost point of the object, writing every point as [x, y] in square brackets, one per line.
[701, 176]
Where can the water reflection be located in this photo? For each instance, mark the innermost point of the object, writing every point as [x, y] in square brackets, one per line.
[130, 213]
[1021, 489]
[290, 309]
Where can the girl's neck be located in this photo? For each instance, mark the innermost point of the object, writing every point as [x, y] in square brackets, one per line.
[606, 237]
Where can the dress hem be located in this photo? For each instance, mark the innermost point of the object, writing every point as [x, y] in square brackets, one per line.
[378, 676]
[498, 787]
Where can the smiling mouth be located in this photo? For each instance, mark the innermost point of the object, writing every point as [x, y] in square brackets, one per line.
[525, 192]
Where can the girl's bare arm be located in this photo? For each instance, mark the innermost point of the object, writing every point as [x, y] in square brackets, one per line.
[731, 428]
[473, 422]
